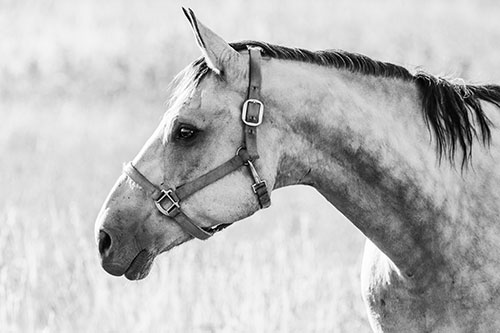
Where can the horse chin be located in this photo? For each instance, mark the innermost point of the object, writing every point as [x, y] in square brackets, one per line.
[140, 266]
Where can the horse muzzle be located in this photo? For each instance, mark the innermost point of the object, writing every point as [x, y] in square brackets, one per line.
[124, 260]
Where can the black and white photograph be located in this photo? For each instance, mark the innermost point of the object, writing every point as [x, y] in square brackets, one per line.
[250, 166]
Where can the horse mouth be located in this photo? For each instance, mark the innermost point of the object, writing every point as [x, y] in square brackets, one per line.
[140, 266]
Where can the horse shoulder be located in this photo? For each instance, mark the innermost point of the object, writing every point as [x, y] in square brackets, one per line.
[394, 303]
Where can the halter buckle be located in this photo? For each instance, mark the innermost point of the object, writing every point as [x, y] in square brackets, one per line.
[259, 182]
[244, 112]
[170, 195]
[257, 186]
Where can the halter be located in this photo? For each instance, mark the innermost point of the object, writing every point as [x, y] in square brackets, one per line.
[168, 201]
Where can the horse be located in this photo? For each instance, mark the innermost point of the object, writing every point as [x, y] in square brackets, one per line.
[410, 159]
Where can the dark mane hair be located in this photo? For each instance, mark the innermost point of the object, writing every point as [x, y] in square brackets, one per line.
[452, 110]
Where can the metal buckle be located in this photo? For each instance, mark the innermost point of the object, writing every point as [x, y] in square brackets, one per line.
[245, 110]
[258, 185]
[167, 194]
[258, 181]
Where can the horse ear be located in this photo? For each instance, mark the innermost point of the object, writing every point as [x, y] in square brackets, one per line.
[217, 52]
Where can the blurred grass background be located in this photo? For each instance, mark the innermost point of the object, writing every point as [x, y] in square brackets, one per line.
[83, 85]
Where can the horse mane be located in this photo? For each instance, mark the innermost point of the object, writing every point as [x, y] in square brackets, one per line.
[451, 109]
[454, 112]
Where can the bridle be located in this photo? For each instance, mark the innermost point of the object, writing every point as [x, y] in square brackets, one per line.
[252, 115]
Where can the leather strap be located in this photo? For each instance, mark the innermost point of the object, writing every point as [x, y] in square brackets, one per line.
[210, 177]
[152, 190]
[254, 114]
[185, 190]
[262, 194]
[155, 192]
[253, 109]
[190, 227]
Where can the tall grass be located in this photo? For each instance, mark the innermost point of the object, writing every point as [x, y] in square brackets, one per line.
[277, 283]
[82, 86]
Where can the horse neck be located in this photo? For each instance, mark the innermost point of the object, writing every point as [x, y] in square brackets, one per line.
[362, 142]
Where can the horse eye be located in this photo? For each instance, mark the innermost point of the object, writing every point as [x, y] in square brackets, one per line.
[186, 133]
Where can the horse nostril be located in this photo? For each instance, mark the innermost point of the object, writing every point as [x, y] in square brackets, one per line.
[104, 243]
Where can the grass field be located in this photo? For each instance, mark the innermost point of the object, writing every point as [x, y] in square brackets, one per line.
[82, 86]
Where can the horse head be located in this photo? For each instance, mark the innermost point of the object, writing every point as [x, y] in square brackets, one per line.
[200, 148]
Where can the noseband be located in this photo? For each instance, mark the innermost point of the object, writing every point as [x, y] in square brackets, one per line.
[252, 115]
